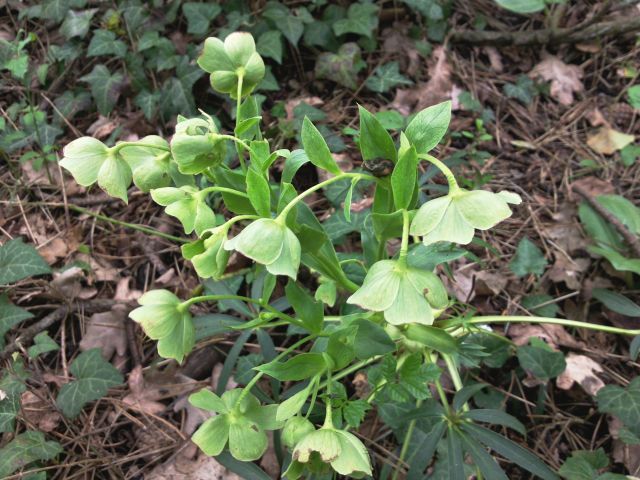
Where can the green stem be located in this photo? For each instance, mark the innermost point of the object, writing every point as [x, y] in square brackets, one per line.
[451, 179]
[239, 142]
[360, 176]
[204, 191]
[243, 165]
[328, 417]
[455, 376]
[259, 375]
[119, 146]
[405, 444]
[404, 246]
[353, 368]
[210, 298]
[555, 321]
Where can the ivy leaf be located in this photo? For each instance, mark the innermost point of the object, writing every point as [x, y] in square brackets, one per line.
[539, 359]
[385, 77]
[362, 19]
[19, 260]
[148, 103]
[624, 403]
[105, 42]
[584, 465]
[9, 408]
[270, 45]
[199, 16]
[26, 448]
[10, 316]
[94, 375]
[523, 90]
[354, 412]
[76, 24]
[291, 26]
[528, 259]
[341, 67]
[105, 87]
[634, 348]
[43, 344]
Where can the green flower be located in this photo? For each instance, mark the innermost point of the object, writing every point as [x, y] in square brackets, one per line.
[242, 425]
[229, 60]
[207, 254]
[295, 429]
[161, 319]
[151, 167]
[342, 450]
[270, 243]
[454, 217]
[188, 205]
[89, 160]
[197, 145]
[404, 294]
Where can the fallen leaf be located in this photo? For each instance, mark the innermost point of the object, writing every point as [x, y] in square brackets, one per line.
[53, 250]
[490, 283]
[106, 331]
[38, 412]
[292, 103]
[628, 455]
[68, 284]
[554, 335]
[596, 119]
[143, 399]
[594, 186]
[495, 59]
[102, 127]
[608, 141]
[568, 271]
[397, 44]
[565, 79]
[183, 468]
[581, 370]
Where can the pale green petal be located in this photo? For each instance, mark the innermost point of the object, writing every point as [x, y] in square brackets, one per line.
[83, 157]
[247, 441]
[225, 82]
[379, 289]
[114, 177]
[231, 397]
[157, 321]
[159, 297]
[354, 458]
[261, 241]
[196, 153]
[452, 228]
[510, 197]
[167, 195]
[265, 417]
[429, 216]
[205, 399]
[214, 56]
[482, 209]
[254, 70]
[288, 261]
[205, 218]
[239, 46]
[185, 211]
[180, 340]
[325, 441]
[213, 261]
[428, 282]
[212, 435]
[409, 306]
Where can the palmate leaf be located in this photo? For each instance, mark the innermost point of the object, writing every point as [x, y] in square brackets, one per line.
[362, 19]
[510, 450]
[19, 261]
[199, 16]
[541, 361]
[10, 315]
[105, 87]
[528, 259]
[26, 448]
[385, 77]
[94, 375]
[9, 408]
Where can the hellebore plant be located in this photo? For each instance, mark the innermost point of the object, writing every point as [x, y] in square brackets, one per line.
[391, 314]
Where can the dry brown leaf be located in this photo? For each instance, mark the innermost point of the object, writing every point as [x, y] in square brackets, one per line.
[397, 44]
[141, 398]
[38, 412]
[581, 370]
[595, 186]
[181, 467]
[495, 59]
[565, 79]
[608, 141]
[68, 285]
[569, 271]
[554, 335]
[629, 455]
[102, 127]
[106, 331]
[490, 283]
[53, 250]
[292, 103]
[596, 119]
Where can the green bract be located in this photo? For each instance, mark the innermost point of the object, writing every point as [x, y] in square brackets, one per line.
[342, 450]
[208, 254]
[197, 145]
[454, 217]
[188, 205]
[241, 422]
[151, 167]
[270, 243]
[162, 320]
[89, 160]
[232, 61]
[404, 294]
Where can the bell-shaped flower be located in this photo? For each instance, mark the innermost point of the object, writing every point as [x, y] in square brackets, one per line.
[295, 429]
[89, 160]
[342, 450]
[404, 294]
[241, 422]
[208, 254]
[163, 320]
[454, 217]
[197, 145]
[271, 243]
[188, 205]
[151, 167]
[229, 60]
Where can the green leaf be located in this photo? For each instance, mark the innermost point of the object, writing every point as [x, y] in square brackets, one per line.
[341, 67]
[522, 6]
[616, 302]
[270, 45]
[290, 25]
[292, 405]
[105, 87]
[9, 408]
[497, 417]
[19, 261]
[624, 403]
[618, 261]
[94, 375]
[510, 450]
[584, 465]
[634, 348]
[362, 19]
[310, 311]
[455, 457]
[316, 148]
[76, 24]
[371, 340]
[10, 316]
[433, 338]
[429, 126]
[354, 412]
[375, 141]
[104, 42]
[243, 469]
[424, 451]
[199, 16]
[26, 448]
[485, 462]
[629, 155]
[634, 96]
[623, 209]
[43, 344]
[528, 259]
[385, 77]
[523, 90]
[543, 363]
[259, 192]
[403, 178]
[300, 367]
[148, 103]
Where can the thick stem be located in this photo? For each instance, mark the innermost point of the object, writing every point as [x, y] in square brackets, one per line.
[328, 417]
[455, 376]
[554, 321]
[451, 179]
[243, 165]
